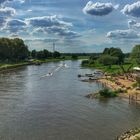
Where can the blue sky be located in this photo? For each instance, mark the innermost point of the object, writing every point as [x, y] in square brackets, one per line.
[74, 25]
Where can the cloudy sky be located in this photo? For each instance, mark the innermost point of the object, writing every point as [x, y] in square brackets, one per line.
[74, 25]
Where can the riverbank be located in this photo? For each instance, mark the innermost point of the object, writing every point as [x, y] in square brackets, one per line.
[122, 85]
[9, 66]
[130, 135]
[125, 85]
[113, 69]
[5, 67]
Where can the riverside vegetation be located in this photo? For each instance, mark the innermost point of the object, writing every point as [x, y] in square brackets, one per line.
[118, 72]
[114, 61]
[15, 53]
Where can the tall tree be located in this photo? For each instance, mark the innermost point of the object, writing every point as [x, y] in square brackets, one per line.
[115, 52]
[135, 54]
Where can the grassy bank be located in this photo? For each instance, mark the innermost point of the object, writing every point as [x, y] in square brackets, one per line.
[113, 69]
[102, 94]
[7, 66]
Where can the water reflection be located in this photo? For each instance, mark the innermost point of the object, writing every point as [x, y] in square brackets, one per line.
[54, 108]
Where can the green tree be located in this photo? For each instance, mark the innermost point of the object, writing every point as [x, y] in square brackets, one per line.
[74, 56]
[13, 49]
[46, 53]
[40, 55]
[135, 54]
[56, 54]
[33, 53]
[108, 60]
[115, 52]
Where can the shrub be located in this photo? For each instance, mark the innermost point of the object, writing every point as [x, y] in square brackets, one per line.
[106, 93]
[85, 62]
[108, 60]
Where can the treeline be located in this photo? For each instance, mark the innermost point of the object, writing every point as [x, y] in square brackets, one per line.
[13, 49]
[109, 56]
[44, 54]
[16, 50]
[80, 54]
[114, 56]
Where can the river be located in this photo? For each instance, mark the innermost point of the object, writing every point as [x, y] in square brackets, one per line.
[34, 107]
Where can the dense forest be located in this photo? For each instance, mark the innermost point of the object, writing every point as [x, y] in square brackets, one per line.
[14, 50]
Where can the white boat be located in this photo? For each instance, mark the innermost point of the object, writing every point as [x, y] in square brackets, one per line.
[63, 65]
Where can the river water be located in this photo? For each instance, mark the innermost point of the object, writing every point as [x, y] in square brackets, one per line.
[35, 107]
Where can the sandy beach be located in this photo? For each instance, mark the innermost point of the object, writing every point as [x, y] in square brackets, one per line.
[123, 83]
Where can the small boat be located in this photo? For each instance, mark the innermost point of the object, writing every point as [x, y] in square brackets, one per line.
[79, 75]
[98, 72]
[89, 75]
[89, 80]
[63, 65]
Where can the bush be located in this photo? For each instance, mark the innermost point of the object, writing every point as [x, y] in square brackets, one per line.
[91, 62]
[106, 93]
[74, 57]
[85, 62]
[108, 60]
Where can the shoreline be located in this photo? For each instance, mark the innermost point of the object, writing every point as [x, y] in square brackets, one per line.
[7, 67]
[129, 92]
[121, 84]
[133, 134]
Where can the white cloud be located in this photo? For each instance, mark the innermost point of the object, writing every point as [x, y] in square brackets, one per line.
[99, 9]
[132, 9]
[52, 25]
[56, 30]
[47, 21]
[29, 10]
[15, 26]
[133, 24]
[123, 34]
[4, 1]
[5, 14]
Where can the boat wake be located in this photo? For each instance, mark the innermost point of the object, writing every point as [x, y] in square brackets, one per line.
[62, 65]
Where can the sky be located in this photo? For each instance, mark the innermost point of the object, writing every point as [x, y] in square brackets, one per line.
[73, 25]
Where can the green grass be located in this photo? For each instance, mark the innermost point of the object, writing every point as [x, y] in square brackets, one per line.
[5, 66]
[12, 65]
[114, 69]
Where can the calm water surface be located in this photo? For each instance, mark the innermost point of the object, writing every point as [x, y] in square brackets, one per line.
[54, 108]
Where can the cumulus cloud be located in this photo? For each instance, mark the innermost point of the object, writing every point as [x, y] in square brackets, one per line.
[99, 9]
[4, 1]
[47, 21]
[6, 13]
[52, 25]
[133, 24]
[132, 9]
[123, 34]
[56, 30]
[43, 39]
[15, 25]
